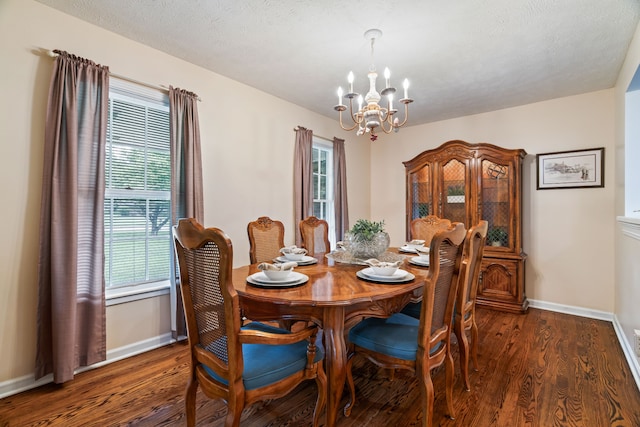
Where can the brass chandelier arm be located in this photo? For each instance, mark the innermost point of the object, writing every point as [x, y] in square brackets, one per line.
[406, 112]
[342, 125]
[385, 130]
[357, 117]
[390, 117]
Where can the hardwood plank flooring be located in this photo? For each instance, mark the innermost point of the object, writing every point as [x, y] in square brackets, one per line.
[539, 369]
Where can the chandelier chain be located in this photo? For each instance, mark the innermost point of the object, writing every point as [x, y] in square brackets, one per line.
[372, 66]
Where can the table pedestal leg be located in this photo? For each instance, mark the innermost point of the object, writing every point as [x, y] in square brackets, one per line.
[335, 359]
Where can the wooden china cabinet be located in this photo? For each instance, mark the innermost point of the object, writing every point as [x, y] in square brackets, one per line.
[467, 183]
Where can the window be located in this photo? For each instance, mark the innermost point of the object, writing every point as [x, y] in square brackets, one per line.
[323, 185]
[632, 147]
[137, 205]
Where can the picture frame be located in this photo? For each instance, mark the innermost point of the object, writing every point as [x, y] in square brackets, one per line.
[571, 169]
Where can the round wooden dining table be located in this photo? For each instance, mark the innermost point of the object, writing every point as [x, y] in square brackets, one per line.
[332, 298]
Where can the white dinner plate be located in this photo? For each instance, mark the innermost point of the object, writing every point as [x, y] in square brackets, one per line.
[408, 249]
[399, 276]
[306, 260]
[416, 260]
[294, 279]
[262, 278]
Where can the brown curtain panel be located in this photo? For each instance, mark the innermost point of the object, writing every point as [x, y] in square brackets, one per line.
[303, 177]
[71, 304]
[340, 188]
[186, 177]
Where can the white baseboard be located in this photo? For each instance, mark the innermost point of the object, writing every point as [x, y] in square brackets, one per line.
[627, 348]
[27, 382]
[570, 309]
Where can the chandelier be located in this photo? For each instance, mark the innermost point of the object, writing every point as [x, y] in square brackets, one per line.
[370, 115]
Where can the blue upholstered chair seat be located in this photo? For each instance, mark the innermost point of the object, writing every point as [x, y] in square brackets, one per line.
[265, 364]
[396, 336]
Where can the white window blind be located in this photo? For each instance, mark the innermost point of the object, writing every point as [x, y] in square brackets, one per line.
[137, 203]
[323, 185]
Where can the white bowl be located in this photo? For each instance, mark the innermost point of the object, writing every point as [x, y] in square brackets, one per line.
[423, 252]
[384, 271]
[277, 274]
[295, 257]
[415, 244]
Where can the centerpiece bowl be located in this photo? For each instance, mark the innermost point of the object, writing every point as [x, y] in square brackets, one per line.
[366, 239]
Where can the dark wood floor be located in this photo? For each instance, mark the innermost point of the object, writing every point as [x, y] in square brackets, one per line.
[539, 369]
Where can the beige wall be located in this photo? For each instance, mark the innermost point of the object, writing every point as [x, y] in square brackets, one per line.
[568, 234]
[247, 138]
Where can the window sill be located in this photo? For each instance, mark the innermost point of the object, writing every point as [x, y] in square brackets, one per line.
[630, 226]
[134, 293]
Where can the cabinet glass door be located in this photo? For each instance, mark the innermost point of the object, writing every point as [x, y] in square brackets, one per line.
[454, 197]
[496, 181]
[421, 197]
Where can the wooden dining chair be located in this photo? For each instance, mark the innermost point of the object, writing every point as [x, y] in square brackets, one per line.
[465, 308]
[426, 227]
[315, 235]
[418, 345]
[239, 364]
[266, 238]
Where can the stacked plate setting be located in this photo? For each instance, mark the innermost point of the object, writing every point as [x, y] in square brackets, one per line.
[293, 279]
[408, 249]
[306, 260]
[419, 261]
[400, 276]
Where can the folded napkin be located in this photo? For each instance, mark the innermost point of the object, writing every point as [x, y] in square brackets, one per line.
[416, 242]
[293, 250]
[422, 250]
[277, 267]
[376, 263]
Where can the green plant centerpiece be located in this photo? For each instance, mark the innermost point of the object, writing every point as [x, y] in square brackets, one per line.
[366, 239]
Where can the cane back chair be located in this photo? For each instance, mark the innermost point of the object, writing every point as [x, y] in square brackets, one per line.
[266, 238]
[418, 345]
[240, 364]
[315, 235]
[465, 308]
[426, 227]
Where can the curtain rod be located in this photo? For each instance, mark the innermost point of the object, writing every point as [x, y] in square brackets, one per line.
[129, 79]
[318, 136]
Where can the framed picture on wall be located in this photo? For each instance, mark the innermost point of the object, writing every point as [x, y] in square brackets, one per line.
[571, 169]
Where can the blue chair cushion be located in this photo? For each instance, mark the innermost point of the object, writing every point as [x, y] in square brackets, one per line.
[396, 336]
[266, 364]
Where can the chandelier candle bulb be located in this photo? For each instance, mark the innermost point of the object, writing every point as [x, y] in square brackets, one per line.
[406, 88]
[359, 102]
[340, 95]
[387, 75]
[350, 80]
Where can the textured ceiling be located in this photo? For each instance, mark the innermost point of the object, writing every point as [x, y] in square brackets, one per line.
[462, 57]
